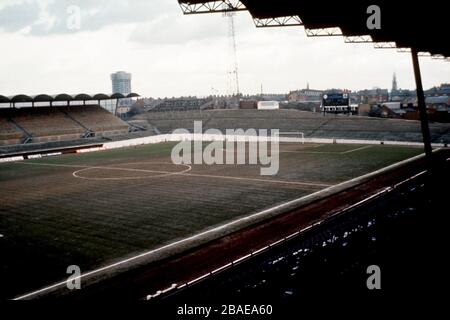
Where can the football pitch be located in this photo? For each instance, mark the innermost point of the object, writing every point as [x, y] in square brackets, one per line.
[95, 209]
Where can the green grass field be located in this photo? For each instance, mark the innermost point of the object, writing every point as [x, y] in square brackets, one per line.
[96, 208]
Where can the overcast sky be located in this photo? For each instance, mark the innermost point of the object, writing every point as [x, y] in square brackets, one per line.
[44, 50]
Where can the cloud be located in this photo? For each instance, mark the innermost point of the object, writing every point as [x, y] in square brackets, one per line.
[48, 17]
[172, 54]
[18, 15]
[175, 30]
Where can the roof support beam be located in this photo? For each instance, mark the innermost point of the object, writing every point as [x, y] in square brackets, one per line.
[358, 39]
[288, 21]
[404, 50]
[408, 50]
[437, 57]
[422, 108]
[323, 32]
[385, 45]
[212, 6]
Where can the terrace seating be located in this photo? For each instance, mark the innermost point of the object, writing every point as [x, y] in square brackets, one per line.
[8, 134]
[97, 120]
[313, 125]
[43, 122]
[182, 105]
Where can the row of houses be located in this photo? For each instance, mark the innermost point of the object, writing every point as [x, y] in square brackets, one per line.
[438, 109]
[369, 96]
[377, 102]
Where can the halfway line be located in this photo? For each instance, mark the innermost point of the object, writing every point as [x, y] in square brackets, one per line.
[320, 185]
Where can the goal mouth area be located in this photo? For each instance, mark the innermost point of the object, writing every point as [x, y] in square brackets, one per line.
[292, 136]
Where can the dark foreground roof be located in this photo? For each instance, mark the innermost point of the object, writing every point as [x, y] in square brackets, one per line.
[422, 26]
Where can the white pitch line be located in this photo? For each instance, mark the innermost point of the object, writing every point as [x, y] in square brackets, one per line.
[173, 244]
[100, 167]
[309, 152]
[181, 173]
[326, 152]
[257, 179]
[219, 228]
[53, 164]
[357, 149]
[97, 167]
[160, 174]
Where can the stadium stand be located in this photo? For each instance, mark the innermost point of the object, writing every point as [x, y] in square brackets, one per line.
[313, 125]
[51, 124]
[76, 123]
[166, 122]
[183, 105]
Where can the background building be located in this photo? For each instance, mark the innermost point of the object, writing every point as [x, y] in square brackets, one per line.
[442, 90]
[121, 82]
[401, 95]
[305, 95]
[371, 96]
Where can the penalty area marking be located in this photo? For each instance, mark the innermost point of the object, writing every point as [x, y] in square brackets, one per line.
[305, 151]
[306, 147]
[328, 152]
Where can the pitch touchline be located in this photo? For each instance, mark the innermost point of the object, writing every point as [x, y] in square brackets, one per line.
[53, 164]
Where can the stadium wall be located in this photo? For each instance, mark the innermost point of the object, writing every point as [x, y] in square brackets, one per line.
[216, 137]
[198, 137]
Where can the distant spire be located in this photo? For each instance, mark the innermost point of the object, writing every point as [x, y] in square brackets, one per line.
[307, 86]
[394, 83]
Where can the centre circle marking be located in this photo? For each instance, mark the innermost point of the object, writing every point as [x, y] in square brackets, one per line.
[159, 173]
